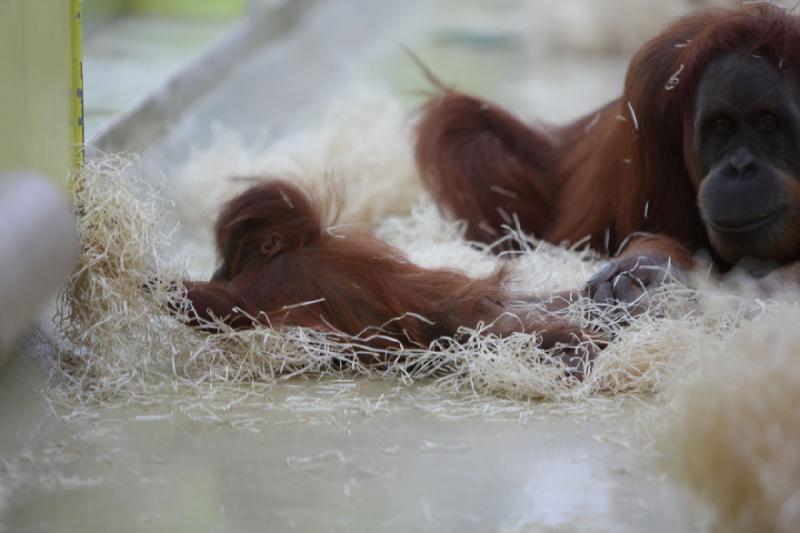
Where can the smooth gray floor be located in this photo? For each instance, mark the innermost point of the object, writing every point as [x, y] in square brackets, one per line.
[398, 468]
[127, 470]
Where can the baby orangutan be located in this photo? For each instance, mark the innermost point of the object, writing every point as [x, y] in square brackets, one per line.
[279, 268]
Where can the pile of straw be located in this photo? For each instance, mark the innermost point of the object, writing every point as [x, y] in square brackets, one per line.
[123, 338]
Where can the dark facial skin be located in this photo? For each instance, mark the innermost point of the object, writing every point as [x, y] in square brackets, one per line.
[747, 150]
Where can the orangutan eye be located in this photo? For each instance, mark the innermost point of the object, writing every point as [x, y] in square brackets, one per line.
[724, 124]
[767, 121]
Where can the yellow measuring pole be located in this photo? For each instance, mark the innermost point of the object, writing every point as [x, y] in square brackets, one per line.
[41, 88]
[77, 82]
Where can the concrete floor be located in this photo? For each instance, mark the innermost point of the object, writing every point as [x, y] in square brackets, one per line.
[399, 467]
[400, 470]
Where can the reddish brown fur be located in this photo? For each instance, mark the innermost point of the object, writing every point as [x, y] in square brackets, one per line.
[599, 176]
[280, 266]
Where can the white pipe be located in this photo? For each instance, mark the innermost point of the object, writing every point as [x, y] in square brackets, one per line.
[38, 250]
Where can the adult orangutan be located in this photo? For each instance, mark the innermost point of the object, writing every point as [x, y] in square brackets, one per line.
[702, 151]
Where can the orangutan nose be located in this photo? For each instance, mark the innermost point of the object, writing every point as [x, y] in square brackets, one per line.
[742, 161]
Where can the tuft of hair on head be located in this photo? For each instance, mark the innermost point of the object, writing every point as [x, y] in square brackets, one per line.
[426, 70]
[269, 218]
